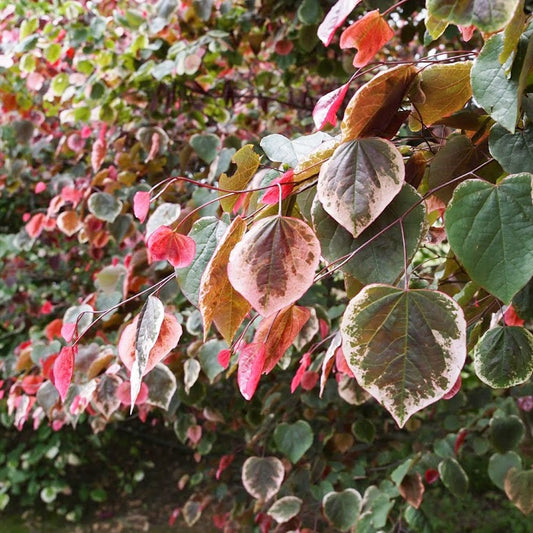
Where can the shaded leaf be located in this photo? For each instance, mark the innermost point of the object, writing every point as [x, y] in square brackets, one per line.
[164, 215]
[454, 477]
[262, 477]
[218, 301]
[368, 35]
[519, 488]
[334, 19]
[251, 362]
[206, 146]
[405, 347]
[359, 181]
[412, 489]
[285, 508]
[514, 151]
[504, 357]
[490, 229]
[380, 260]
[191, 372]
[373, 109]
[506, 432]
[278, 331]
[98, 153]
[342, 508]
[293, 440]
[499, 465]
[325, 110]
[446, 88]
[274, 264]
[161, 384]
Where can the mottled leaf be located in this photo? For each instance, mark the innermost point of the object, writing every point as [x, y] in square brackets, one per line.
[292, 151]
[519, 488]
[262, 477]
[104, 206]
[161, 384]
[325, 110]
[342, 508]
[285, 508]
[164, 215]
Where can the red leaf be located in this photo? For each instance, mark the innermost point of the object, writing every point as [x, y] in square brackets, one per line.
[35, 226]
[53, 329]
[334, 19]
[223, 358]
[124, 393]
[454, 390]
[283, 47]
[177, 249]
[141, 205]
[511, 318]
[224, 462]
[368, 35]
[46, 308]
[251, 362]
[30, 384]
[467, 32]
[305, 361]
[286, 181]
[98, 153]
[64, 369]
[431, 475]
[68, 330]
[326, 108]
[174, 516]
[459, 440]
[341, 364]
[309, 380]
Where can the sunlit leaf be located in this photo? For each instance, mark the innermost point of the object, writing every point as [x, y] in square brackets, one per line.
[405, 347]
[334, 19]
[165, 215]
[274, 264]
[359, 181]
[262, 477]
[141, 204]
[342, 508]
[292, 151]
[166, 244]
[373, 109]
[368, 35]
[191, 372]
[489, 228]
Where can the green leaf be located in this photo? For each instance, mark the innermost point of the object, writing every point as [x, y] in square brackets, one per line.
[514, 151]
[523, 302]
[342, 508]
[490, 229]
[487, 15]
[52, 52]
[499, 465]
[206, 233]
[493, 89]
[104, 206]
[208, 357]
[506, 432]
[293, 440]
[504, 357]
[310, 12]
[381, 259]
[262, 477]
[285, 508]
[364, 430]
[358, 182]
[453, 476]
[206, 146]
[519, 488]
[405, 347]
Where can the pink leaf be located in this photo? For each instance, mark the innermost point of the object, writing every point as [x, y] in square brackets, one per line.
[164, 243]
[511, 318]
[251, 362]
[35, 226]
[174, 516]
[124, 393]
[454, 390]
[224, 462]
[35, 81]
[85, 132]
[141, 205]
[305, 361]
[98, 154]
[525, 403]
[309, 380]
[467, 32]
[325, 111]
[341, 364]
[334, 19]
[223, 358]
[286, 181]
[68, 330]
[40, 187]
[64, 369]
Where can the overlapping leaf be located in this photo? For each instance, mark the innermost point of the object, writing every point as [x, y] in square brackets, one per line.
[334, 19]
[405, 347]
[514, 151]
[359, 181]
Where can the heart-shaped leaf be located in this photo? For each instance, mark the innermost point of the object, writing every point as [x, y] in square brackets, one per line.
[165, 244]
[519, 488]
[274, 264]
[104, 206]
[206, 146]
[506, 432]
[381, 259]
[490, 229]
[262, 477]
[293, 440]
[342, 508]
[453, 476]
[285, 508]
[359, 181]
[504, 356]
[412, 489]
[164, 215]
[161, 383]
[500, 464]
[512, 150]
[405, 347]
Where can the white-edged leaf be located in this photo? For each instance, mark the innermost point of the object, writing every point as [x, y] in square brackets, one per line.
[191, 371]
[285, 508]
[262, 477]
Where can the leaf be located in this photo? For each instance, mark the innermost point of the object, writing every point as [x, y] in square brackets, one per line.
[247, 162]
[285, 508]
[291, 152]
[98, 153]
[206, 233]
[104, 206]
[218, 301]
[293, 440]
[325, 110]
[161, 384]
[334, 19]
[454, 477]
[405, 347]
[446, 88]
[191, 372]
[141, 205]
[499, 465]
[262, 477]
[278, 331]
[504, 357]
[506, 432]
[380, 260]
[166, 244]
[412, 489]
[164, 215]
[368, 35]
[275, 193]
[519, 487]
[64, 370]
[359, 181]
[342, 508]
[69, 223]
[274, 264]
[373, 109]
[208, 355]
[513, 151]
[513, 31]
[489, 228]
[488, 15]
[494, 90]
[251, 362]
[206, 146]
